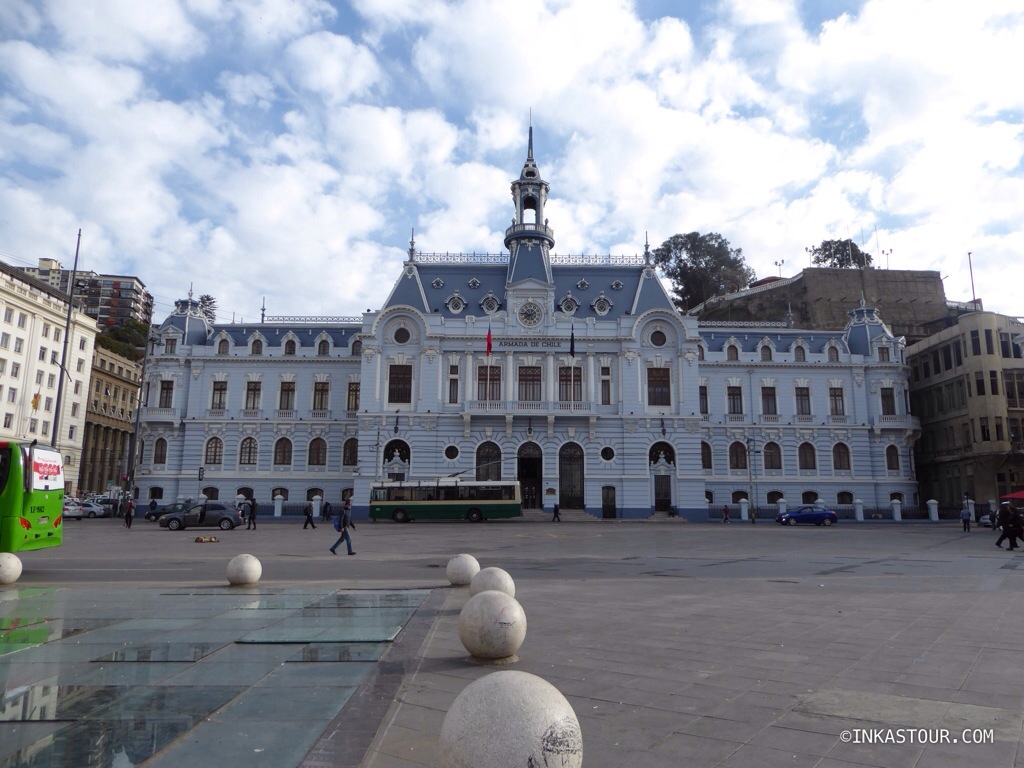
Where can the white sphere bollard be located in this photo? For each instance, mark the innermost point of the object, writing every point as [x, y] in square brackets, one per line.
[511, 719]
[244, 570]
[492, 579]
[10, 568]
[492, 625]
[461, 570]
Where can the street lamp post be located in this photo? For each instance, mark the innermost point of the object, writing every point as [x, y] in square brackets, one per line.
[752, 478]
[133, 450]
[779, 265]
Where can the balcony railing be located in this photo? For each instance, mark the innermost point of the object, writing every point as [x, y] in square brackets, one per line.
[252, 413]
[163, 413]
[321, 414]
[532, 406]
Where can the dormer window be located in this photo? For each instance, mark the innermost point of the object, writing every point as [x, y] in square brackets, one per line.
[883, 355]
[731, 353]
[289, 347]
[222, 347]
[170, 346]
[257, 347]
[490, 303]
[583, 285]
[455, 303]
[617, 285]
[799, 355]
[602, 305]
[833, 355]
[569, 304]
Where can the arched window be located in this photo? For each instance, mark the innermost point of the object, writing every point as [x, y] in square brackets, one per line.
[774, 496]
[357, 348]
[211, 493]
[660, 449]
[737, 456]
[807, 456]
[892, 457]
[833, 355]
[311, 492]
[705, 455]
[323, 348]
[896, 496]
[709, 497]
[488, 461]
[772, 456]
[799, 355]
[283, 452]
[808, 497]
[156, 493]
[282, 492]
[731, 353]
[317, 452]
[840, 457]
[844, 497]
[214, 453]
[289, 347]
[248, 452]
[222, 347]
[766, 353]
[245, 492]
[160, 451]
[350, 453]
[738, 496]
[700, 351]
[257, 347]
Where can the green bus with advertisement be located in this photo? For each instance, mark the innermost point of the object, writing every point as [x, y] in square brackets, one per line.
[31, 496]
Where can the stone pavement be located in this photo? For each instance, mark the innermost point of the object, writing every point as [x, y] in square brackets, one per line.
[676, 644]
[694, 669]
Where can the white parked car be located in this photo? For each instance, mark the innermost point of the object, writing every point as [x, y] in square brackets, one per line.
[72, 509]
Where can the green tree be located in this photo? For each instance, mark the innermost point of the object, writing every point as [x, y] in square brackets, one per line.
[208, 306]
[701, 266]
[127, 340]
[842, 254]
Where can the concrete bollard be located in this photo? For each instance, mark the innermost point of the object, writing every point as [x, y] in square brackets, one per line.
[10, 568]
[492, 579]
[492, 625]
[461, 570]
[510, 719]
[244, 571]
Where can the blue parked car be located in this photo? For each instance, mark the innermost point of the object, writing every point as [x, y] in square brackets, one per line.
[807, 515]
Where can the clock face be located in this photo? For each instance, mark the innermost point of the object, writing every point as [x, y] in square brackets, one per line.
[530, 314]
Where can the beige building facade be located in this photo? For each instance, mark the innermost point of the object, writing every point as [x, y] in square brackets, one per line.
[967, 388]
[33, 322]
[109, 421]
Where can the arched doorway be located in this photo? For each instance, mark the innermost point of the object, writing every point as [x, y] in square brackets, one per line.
[530, 472]
[488, 461]
[662, 461]
[570, 476]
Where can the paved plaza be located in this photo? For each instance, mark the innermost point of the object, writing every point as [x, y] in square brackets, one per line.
[676, 644]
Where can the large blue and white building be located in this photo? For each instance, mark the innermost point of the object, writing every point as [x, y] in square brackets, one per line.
[574, 375]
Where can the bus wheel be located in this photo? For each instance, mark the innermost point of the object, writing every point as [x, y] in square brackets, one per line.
[400, 516]
[174, 525]
[474, 516]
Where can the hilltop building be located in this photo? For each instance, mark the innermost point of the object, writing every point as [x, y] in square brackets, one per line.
[109, 299]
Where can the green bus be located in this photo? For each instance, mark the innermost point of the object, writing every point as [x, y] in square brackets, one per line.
[31, 496]
[445, 499]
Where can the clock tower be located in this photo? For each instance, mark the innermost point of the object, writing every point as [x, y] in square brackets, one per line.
[529, 286]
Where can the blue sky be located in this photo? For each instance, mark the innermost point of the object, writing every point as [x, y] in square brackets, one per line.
[286, 148]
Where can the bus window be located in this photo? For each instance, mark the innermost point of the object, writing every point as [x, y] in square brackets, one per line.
[5, 465]
[449, 493]
[379, 494]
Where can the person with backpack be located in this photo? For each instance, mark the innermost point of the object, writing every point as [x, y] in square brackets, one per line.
[341, 524]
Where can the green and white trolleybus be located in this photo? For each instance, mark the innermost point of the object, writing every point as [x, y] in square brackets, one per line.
[446, 498]
[31, 496]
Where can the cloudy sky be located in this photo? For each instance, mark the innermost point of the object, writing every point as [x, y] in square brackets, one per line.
[286, 148]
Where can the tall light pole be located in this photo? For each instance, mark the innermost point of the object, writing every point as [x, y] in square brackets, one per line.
[779, 265]
[133, 443]
[64, 351]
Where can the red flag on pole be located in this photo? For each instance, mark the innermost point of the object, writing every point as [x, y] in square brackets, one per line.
[488, 338]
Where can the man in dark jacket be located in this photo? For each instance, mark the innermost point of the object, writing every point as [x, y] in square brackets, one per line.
[1006, 521]
[341, 524]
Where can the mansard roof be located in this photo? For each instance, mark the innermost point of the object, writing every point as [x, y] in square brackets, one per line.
[275, 334]
[748, 336]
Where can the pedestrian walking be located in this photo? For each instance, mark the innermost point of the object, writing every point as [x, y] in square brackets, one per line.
[129, 512]
[341, 524]
[325, 511]
[308, 511]
[556, 515]
[725, 514]
[152, 505]
[250, 513]
[965, 517]
[1003, 521]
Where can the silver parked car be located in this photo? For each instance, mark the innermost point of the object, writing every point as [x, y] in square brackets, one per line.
[212, 514]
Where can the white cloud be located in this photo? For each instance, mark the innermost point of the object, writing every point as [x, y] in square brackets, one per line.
[332, 66]
[248, 90]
